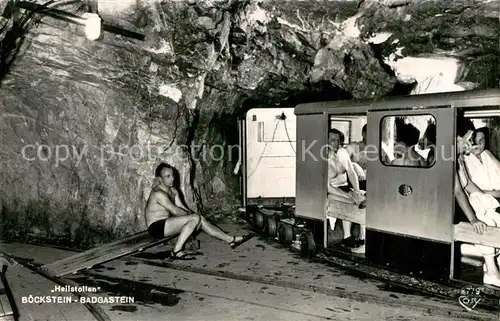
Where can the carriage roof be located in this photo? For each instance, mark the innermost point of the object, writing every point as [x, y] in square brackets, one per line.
[469, 98]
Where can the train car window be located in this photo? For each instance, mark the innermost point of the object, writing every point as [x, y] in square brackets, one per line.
[408, 141]
[350, 125]
[344, 126]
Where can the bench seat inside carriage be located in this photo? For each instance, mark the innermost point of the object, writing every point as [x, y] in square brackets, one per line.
[465, 237]
[468, 261]
[344, 211]
[335, 209]
[462, 230]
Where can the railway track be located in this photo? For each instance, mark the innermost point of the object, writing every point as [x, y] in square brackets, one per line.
[490, 296]
[279, 302]
[330, 291]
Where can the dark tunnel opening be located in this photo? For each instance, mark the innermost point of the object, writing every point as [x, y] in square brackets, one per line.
[317, 92]
[321, 91]
[227, 125]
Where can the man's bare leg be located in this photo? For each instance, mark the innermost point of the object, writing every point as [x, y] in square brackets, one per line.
[346, 226]
[362, 235]
[490, 267]
[348, 240]
[216, 232]
[491, 272]
[362, 232]
[184, 226]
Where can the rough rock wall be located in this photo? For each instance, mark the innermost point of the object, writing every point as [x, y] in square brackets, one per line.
[117, 106]
[467, 30]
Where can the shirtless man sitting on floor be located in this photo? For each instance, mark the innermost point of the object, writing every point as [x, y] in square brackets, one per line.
[166, 216]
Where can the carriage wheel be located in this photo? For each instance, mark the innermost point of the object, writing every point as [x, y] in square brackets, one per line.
[285, 233]
[259, 221]
[271, 226]
[250, 216]
[307, 244]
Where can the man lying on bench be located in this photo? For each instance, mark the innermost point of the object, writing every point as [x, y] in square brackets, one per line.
[166, 216]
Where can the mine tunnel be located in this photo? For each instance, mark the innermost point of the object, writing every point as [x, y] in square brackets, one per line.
[94, 95]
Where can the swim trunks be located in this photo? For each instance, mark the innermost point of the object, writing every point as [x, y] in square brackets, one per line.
[157, 229]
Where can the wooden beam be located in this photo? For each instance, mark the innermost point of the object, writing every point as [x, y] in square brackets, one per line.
[5, 304]
[34, 290]
[344, 211]
[464, 232]
[103, 254]
[95, 309]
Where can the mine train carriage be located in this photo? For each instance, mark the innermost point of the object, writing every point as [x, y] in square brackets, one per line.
[412, 220]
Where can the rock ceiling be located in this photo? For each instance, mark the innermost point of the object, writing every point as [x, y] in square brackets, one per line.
[259, 48]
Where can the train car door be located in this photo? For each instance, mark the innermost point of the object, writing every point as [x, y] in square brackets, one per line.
[410, 198]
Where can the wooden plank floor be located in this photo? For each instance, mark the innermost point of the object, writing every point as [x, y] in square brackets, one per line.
[24, 282]
[103, 254]
[5, 305]
[6, 308]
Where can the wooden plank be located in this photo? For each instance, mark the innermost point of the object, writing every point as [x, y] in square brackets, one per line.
[6, 307]
[135, 237]
[344, 211]
[95, 309]
[24, 283]
[5, 304]
[2, 311]
[464, 232]
[2, 293]
[103, 254]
